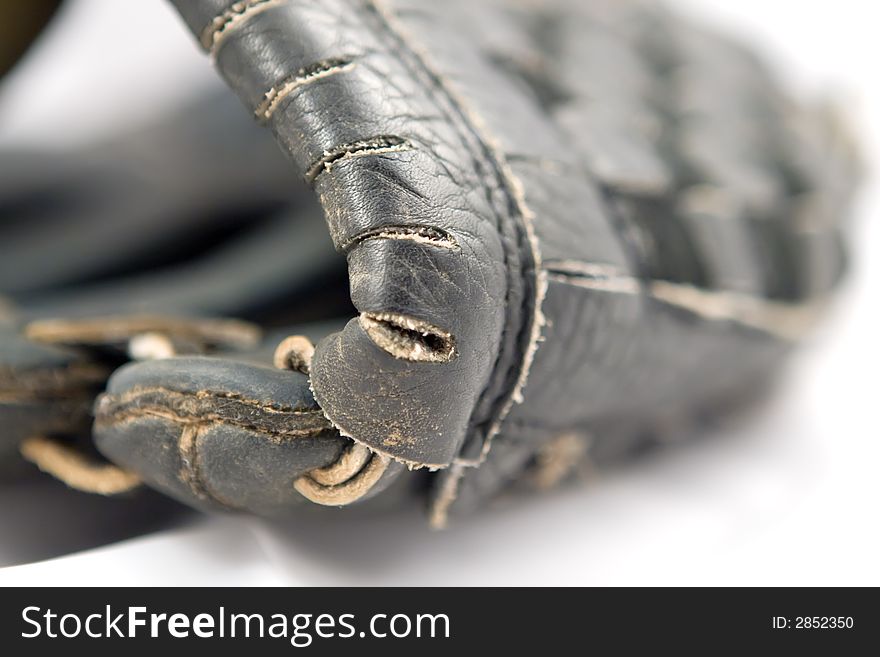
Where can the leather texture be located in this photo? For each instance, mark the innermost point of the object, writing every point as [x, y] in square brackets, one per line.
[573, 230]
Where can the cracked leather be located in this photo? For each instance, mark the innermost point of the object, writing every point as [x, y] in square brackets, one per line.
[574, 229]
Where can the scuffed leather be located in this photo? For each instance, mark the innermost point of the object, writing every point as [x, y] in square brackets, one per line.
[250, 426]
[445, 180]
[624, 190]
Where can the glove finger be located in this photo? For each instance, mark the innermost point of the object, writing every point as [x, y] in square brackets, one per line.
[218, 434]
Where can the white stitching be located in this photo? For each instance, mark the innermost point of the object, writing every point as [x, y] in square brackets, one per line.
[238, 14]
[304, 76]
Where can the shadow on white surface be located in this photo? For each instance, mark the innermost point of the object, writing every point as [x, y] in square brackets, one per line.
[206, 553]
[41, 518]
[754, 505]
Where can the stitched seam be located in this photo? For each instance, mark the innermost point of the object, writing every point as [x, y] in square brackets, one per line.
[188, 451]
[134, 393]
[304, 76]
[132, 405]
[618, 284]
[123, 417]
[237, 14]
[781, 320]
[419, 234]
[479, 161]
[189, 446]
[582, 268]
[379, 145]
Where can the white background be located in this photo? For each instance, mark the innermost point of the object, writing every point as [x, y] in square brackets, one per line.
[791, 497]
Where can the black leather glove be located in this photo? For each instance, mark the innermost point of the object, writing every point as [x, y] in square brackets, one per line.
[572, 229]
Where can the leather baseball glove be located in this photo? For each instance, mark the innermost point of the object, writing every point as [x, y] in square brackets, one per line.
[573, 230]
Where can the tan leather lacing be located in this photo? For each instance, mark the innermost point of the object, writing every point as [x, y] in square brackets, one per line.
[76, 470]
[294, 353]
[343, 469]
[348, 491]
[119, 329]
[357, 469]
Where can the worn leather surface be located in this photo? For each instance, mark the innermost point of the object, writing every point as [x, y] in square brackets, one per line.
[573, 229]
[249, 426]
